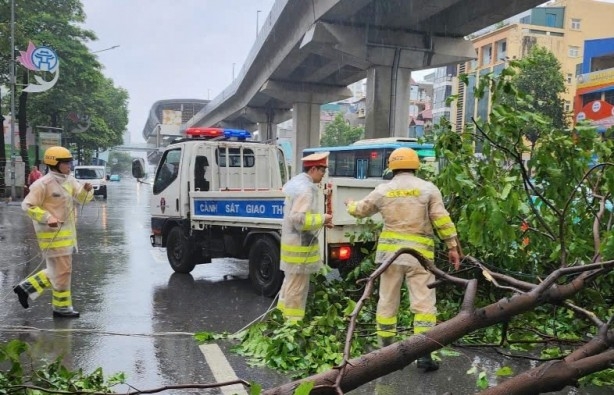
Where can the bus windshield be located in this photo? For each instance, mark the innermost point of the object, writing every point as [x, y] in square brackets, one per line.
[369, 158]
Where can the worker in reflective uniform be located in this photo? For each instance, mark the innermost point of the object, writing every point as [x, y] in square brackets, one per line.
[300, 251]
[411, 209]
[50, 204]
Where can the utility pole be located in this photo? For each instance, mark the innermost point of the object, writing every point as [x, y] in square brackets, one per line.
[13, 84]
[257, 24]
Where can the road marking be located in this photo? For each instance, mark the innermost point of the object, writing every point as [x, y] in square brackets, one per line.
[221, 369]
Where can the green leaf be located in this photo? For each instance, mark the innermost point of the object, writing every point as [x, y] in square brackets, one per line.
[504, 371]
[255, 388]
[482, 381]
[304, 388]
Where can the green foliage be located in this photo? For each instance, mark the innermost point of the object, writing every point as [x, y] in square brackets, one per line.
[314, 345]
[81, 88]
[527, 207]
[541, 79]
[53, 376]
[339, 133]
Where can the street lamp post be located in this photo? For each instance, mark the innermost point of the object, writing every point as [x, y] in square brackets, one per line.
[13, 85]
[106, 49]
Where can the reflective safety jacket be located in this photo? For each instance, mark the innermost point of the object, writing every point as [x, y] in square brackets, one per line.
[300, 251]
[55, 194]
[411, 207]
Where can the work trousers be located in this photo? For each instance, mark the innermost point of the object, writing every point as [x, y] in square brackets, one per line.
[56, 276]
[293, 296]
[422, 299]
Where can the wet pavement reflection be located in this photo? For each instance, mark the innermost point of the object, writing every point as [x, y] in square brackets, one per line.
[138, 317]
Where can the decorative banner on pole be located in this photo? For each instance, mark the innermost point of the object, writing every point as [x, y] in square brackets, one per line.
[82, 122]
[40, 59]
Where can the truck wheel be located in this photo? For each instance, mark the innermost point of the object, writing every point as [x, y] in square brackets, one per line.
[264, 270]
[179, 253]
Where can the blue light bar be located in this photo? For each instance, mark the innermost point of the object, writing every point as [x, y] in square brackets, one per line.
[237, 133]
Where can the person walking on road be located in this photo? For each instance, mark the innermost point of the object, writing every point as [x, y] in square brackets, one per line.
[34, 175]
[411, 209]
[50, 205]
[300, 252]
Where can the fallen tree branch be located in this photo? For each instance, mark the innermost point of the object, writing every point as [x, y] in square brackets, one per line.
[368, 367]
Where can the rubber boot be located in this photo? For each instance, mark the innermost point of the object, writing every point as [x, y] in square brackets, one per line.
[22, 295]
[66, 314]
[385, 341]
[427, 364]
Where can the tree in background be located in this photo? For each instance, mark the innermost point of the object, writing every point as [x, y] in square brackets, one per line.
[541, 79]
[81, 88]
[119, 162]
[339, 133]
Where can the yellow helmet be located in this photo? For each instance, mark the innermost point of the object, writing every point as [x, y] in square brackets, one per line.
[403, 158]
[55, 155]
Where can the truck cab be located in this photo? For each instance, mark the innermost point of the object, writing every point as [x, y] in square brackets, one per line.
[218, 195]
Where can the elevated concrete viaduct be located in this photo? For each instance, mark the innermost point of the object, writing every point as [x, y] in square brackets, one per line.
[309, 51]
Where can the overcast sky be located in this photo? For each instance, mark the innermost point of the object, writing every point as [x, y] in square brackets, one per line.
[172, 49]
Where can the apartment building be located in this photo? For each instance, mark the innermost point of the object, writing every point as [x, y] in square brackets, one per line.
[594, 101]
[561, 26]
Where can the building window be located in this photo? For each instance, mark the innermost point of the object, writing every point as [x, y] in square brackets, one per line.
[550, 20]
[569, 78]
[501, 50]
[486, 55]
[575, 24]
[573, 51]
[567, 106]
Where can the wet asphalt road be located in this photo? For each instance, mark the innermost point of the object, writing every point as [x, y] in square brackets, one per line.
[137, 316]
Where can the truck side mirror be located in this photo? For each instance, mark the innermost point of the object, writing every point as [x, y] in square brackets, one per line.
[138, 168]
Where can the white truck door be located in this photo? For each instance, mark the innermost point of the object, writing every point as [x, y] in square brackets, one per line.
[167, 188]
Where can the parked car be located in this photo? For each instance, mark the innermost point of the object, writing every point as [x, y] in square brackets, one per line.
[114, 177]
[95, 175]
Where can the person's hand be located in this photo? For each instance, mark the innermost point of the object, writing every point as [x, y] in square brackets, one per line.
[87, 186]
[328, 221]
[454, 258]
[53, 222]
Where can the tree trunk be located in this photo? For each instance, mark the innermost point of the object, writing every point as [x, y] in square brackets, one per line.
[2, 154]
[23, 126]
[366, 368]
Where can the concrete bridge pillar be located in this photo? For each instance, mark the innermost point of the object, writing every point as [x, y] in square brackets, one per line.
[267, 131]
[387, 105]
[306, 121]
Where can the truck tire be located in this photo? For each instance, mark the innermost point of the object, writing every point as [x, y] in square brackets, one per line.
[264, 273]
[180, 255]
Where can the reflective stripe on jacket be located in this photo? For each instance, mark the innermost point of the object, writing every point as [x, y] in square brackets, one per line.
[411, 207]
[300, 250]
[54, 194]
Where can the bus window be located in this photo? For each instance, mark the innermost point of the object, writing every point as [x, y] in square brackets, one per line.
[369, 158]
[377, 163]
[361, 168]
[344, 166]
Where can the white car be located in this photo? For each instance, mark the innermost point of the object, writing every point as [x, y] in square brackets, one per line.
[95, 175]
